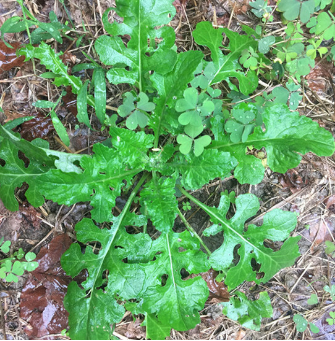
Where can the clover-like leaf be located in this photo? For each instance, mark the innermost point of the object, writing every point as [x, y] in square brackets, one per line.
[294, 8]
[193, 130]
[244, 113]
[313, 299]
[144, 103]
[235, 129]
[325, 26]
[330, 247]
[214, 92]
[249, 58]
[280, 94]
[5, 246]
[314, 328]
[137, 118]
[191, 117]
[137, 115]
[265, 43]
[17, 268]
[200, 144]
[301, 323]
[189, 101]
[127, 106]
[330, 290]
[260, 7]
[207, 107]
[185, 143]
[239, 131]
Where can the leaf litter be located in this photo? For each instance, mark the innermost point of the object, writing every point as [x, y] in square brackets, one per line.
[43, 294]
[225, 328]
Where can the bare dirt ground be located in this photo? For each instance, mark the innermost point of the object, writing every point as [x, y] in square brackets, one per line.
[308, 190]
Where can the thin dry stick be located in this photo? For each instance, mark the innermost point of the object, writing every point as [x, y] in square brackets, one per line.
[100, 12]
[46, 237]
[333, 87]
[65, 216]
[299, 279]
[229, 22]
[189, 25]
[3, 323]
[63, 145]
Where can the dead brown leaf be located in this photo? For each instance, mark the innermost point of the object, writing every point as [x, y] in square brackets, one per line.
[317, 79]
[42, 296]
[217, 290]
[70, 101]
[292, 180]
[135, 331]
[38, 127]
[319, 231]
[8, 57]
[330, 203]
[10, 223]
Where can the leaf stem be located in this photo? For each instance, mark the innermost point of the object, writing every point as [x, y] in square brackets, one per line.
[193, 232]
[133, 193]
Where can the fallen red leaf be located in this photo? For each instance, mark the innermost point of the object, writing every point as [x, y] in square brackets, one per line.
[42, 296]
[38, 127]
[217, 290]
[70, 101]
[8, 57]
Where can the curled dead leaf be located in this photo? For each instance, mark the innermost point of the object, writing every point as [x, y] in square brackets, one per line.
[38, 127]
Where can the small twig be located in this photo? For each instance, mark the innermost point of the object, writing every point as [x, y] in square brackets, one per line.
[46, 237]
[3, 323]
[333, 87]
[296, 283]
[229, 22]
[111, 108]
[63, 145]
[64, 217]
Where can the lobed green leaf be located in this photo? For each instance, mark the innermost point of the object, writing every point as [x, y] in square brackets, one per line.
[248, 313]
[277, 226]
[286, 135]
